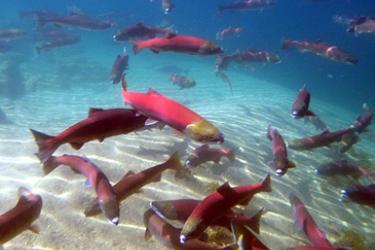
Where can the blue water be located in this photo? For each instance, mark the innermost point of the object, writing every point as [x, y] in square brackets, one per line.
[53, 90]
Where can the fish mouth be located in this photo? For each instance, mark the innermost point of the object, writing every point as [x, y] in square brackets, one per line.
[115, 221]
[294, 114]
[344, 193]
[115, 38]
[183, 238]
[280, 172]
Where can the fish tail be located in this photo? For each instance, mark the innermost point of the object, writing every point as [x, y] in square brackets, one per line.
[45, 144]
[266, 184]
[124, 84]
[92, 209]
[285, 44]
[269, 128]
[174, 162]
[136, 48]
[232, 155]
[40, 21]
[254, 221]
[50, 165]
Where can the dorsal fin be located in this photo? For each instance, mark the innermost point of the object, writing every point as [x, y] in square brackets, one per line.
[129, 173]
[153, 91]
[171, 35]
[225, 189]
[92, 111]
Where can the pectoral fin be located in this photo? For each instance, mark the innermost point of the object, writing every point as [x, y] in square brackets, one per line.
[34, 228]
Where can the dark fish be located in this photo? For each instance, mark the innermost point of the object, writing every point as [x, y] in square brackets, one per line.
[344, 168]
[246, 239]
[300, 107]
[322, 49]
[119, 66]
[20, 218]
[75, 21]
[139, 31]
[11, 33]
[58, 42]
[95, 177]
[364, 120]
[242, 5]
[167, 6]
[99, 125]
[280, 162]
[206, 153]
[182, 81]
[324, 139]
[364, 195]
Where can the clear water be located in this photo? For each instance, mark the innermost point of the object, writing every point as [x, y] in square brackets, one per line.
[60, 86]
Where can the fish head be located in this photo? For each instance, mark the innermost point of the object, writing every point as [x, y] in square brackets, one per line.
[111, 210]
[120, 36]
[337, 54]
[192, 161]
[271, 58]
[210, 48]
[193, 227]
[164, 209]
[204, 131]
[280, 166]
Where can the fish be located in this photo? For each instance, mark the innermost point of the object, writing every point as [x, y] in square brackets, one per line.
[305, 222]
[167, 6]
[343, 168]
[362, 25]
[22, 216]
[218, 203]
[323, 139]
[106, 195]
[364, 120]
[229, 31]
[59, 42]
[132, 182]
[74, 20]
[360, 194]
[300, 107]
[169, 235]
[180, 210]
[119, 66]
[206, 153]
[243, 5]
[178, 43]
[280, 162]
[322, 49]
[7, 34]
[165, 110]
[182, 81]
[99, 124]
[139, 31]
[245, 57]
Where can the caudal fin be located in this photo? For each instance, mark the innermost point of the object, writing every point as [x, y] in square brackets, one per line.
[136, 48]
[232, 155]
[45, 145]
[50, 164]
[254, 221]
[266, 184]
[174, 162]
[285, 44]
